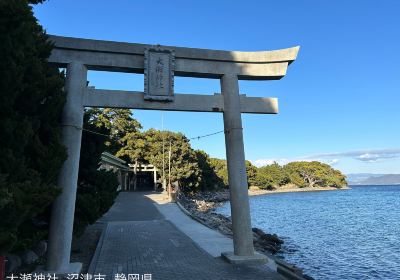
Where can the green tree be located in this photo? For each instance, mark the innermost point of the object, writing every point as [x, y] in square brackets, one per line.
[294, 176]
[125, 140]
[272, 175]
[334, 178]
[120, 125]
[221, 169]
[251, 171]
[31, 103]
[314, 173]
[264, 180]
[209, 178]
[184, 166]
[97, 189]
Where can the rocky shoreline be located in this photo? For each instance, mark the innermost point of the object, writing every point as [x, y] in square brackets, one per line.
[201, 206]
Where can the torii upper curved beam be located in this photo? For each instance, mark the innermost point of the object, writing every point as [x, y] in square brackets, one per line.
[189, 62]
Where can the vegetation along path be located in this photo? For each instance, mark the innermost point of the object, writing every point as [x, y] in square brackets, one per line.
[139, 240]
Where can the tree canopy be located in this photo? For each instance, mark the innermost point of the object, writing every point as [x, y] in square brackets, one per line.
[272, 175]
[31, 103]
[195, 170]
[209, 178]
[120, 126]
[315, 173]
[184, 167]
[301, 174]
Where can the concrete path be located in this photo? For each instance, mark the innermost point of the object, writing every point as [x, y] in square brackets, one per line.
[139, 240]
[132, 206]
[213, 242]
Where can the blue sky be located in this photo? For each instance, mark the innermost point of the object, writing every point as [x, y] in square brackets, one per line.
[339, 101]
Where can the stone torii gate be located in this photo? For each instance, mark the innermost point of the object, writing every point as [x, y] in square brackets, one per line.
[160, 64]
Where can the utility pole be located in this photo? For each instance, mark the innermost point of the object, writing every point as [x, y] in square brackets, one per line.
[169, 167]
[163, 153]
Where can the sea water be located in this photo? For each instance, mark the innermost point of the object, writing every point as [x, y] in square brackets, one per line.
[344, 234]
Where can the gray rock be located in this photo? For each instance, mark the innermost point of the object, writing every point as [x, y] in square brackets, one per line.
[41, 248]
[201, 206]
[12, 263]
[29, 257]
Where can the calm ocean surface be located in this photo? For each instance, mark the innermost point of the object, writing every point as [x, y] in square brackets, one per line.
[345, 234]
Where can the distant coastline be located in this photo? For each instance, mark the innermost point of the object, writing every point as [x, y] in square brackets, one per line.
[367, 179]
[373, 185]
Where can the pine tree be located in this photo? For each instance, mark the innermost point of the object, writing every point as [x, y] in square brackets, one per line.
[209, 178]
[184, 166]
[31, 102]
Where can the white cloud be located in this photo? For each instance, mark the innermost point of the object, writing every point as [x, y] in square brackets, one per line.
[333, 161]
[368, 157]
[373, 155]
[283, 161]
[263, 162]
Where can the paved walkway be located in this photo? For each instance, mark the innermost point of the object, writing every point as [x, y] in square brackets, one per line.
[213, 242]
[139, 240]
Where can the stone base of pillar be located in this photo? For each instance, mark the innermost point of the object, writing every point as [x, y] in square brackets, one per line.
[255, 259]
[72, 268]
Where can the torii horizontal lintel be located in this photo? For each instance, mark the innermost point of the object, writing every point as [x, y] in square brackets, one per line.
[182, 102]
[190, 62]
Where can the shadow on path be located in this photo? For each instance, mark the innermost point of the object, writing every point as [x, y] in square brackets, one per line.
[132, 206]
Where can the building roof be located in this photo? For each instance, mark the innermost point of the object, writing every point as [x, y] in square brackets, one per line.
[114, 161]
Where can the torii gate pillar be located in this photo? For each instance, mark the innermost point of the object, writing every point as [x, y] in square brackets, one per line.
[240, 209]
[159, 67]
[62, 215]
